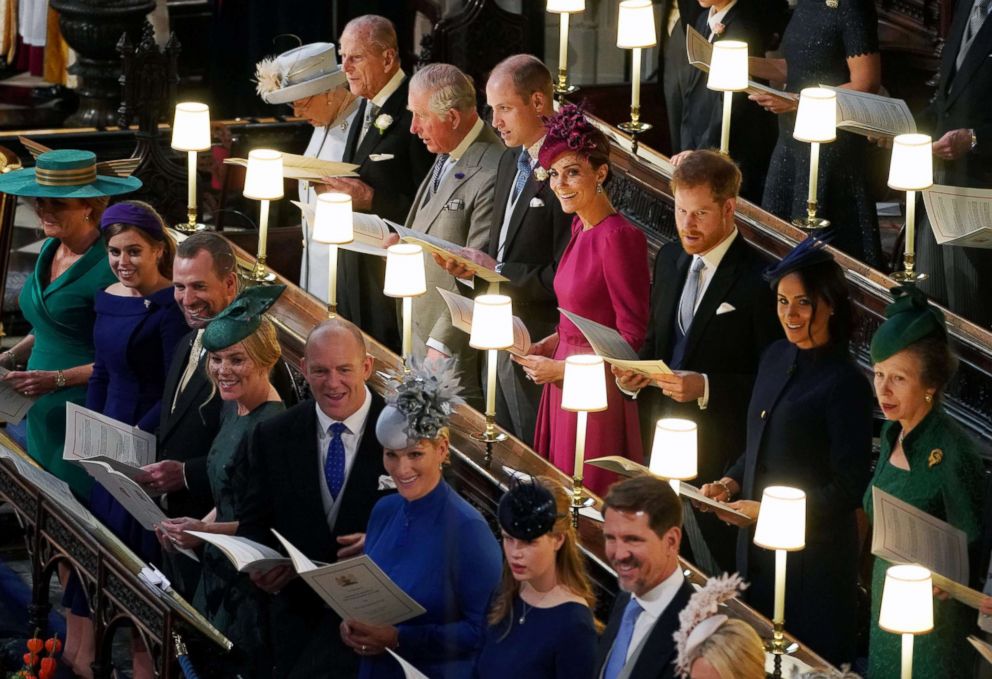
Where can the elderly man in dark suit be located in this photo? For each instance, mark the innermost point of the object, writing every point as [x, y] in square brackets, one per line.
[529, 231]
[205, 281]
[960, 122]
[454, 202]
[642, 530]
[314, 474]
[712, 315]
[392, 162]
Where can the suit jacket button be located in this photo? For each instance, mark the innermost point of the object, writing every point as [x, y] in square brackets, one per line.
[763, 413]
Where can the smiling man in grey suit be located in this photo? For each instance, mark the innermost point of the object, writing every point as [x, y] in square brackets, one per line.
[455, 202]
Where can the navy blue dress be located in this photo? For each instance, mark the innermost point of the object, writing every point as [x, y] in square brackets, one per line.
[441, 552]
[809, 427]
[135, 338]
[552, 643]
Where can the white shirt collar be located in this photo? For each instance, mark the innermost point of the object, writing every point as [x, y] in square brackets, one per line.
[713, 258]
[353, 422]
[387, 90]
[466, 141]
[655, 601]
[717, 17]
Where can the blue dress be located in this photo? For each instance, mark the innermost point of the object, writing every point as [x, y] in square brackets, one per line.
[135, 338]
[440, 551]
[552, 643]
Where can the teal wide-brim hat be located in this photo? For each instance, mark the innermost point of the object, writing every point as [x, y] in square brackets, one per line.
[241, 318]
[66, 173]
[909, 319]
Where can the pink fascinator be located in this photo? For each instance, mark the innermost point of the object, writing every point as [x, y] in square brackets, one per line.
[701, 618]
[568, 130]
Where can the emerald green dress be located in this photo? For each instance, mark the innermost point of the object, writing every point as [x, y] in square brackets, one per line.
[944, 480]
[227, 598]
[61, 315]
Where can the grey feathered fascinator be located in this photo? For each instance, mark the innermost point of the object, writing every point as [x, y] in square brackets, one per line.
[701, 617]
[421, 405]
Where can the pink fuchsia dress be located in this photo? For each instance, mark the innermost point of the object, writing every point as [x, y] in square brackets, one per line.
[603, 276]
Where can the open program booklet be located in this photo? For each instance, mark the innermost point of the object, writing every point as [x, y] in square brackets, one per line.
[613, 348]
[461, 309]
[959, 215]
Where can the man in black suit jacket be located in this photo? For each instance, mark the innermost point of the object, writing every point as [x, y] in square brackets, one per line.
[710, 325]
[960, 122]
[753, 130]
[642, 530]
[205, 282]
[529, 231]
[392, 163]
[288, 491]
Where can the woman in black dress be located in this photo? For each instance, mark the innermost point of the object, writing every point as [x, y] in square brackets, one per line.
[827, 42]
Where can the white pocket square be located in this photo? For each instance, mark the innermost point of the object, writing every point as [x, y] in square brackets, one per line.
[725, 308]
[386, 482]
[536, 202]
[376, 157]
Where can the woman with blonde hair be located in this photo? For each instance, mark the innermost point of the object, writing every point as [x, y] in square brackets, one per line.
[541, 622]
[710, 644]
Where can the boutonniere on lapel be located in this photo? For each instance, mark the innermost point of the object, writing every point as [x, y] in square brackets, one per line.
[541, 174]
[386, 482]
[936, 457]
[383, 122]
[536, 202]
[148, 303]
[718, 29]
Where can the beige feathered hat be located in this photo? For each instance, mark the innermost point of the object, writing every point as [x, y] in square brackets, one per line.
[299, 73]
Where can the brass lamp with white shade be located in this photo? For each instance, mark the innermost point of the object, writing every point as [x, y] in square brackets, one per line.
[405, 278]
[635, 31]
[907, 607]
[583, 391]
[673, 452]
[333, 225]
[728, 74]
[263, 182]
[191, 133]
[782, 528]
[563, 8]
[492, 330]
[816, 123]
[910, 170]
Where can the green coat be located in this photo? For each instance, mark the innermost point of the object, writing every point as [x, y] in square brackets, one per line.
[61, 315]
[948, 485]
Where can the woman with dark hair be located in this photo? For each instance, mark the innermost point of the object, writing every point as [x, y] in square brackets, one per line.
[603, 276]
[541, 622]
[809, 427]
[927, 461]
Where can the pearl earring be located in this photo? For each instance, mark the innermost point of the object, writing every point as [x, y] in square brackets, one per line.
[928, 398]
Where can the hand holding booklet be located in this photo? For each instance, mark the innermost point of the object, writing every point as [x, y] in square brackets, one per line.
[306, 168]
[447, 250]
[356, 589]
[461, 309]
[13, 404]
[613, 348]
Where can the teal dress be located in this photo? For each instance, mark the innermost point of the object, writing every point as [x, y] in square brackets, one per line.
[944, 480]
[227, 598]
[61, 315]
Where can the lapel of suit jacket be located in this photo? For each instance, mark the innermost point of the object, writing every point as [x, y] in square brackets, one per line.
[367, 468]
[175, 373]
[350, 145]
[458, 175]
[976, 56]
[953, 45]
[305, 467]
[193, 396]
[669, 304]
[505, 174]
[779, 373]
[531, 189]
[393, 107]
[723, 280]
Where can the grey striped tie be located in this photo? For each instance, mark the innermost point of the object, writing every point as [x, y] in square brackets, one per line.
[690, 293]
[978, 15]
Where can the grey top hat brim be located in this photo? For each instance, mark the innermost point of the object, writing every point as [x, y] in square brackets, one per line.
[306, 89]
[390, 429]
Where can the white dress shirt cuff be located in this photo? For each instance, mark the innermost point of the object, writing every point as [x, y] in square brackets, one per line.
[633, 394]
[704, 400]
[438, 345]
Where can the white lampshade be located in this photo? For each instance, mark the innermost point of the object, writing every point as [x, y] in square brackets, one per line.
[782, 519]
[907, 600]
[566, 6]
[635, 27]
[263, 180]
[673, 453]
[492, 322]
[584, 386]
[191, 127]
[728, 67]
[404, 271]
[816, 120]
[911, 167]
[332, 219]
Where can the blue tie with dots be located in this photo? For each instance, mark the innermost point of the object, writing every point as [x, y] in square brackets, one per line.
[334, 466]
[523, 173]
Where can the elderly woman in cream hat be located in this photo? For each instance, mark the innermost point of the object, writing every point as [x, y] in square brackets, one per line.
[309, 79]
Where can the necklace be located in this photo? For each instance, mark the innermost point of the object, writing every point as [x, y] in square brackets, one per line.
[527, 608]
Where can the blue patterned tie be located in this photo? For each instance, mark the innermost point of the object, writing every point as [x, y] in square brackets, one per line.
[621, 645]
[523, 173]
[334, 466]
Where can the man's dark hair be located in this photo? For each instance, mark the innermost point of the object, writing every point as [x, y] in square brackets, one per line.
[650, 495]
[708, 168]
[219, 248]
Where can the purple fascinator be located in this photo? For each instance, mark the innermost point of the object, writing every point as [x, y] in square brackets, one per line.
[135, 215]
[568, 130]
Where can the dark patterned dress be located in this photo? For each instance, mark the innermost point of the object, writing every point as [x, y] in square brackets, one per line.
[817, 43]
